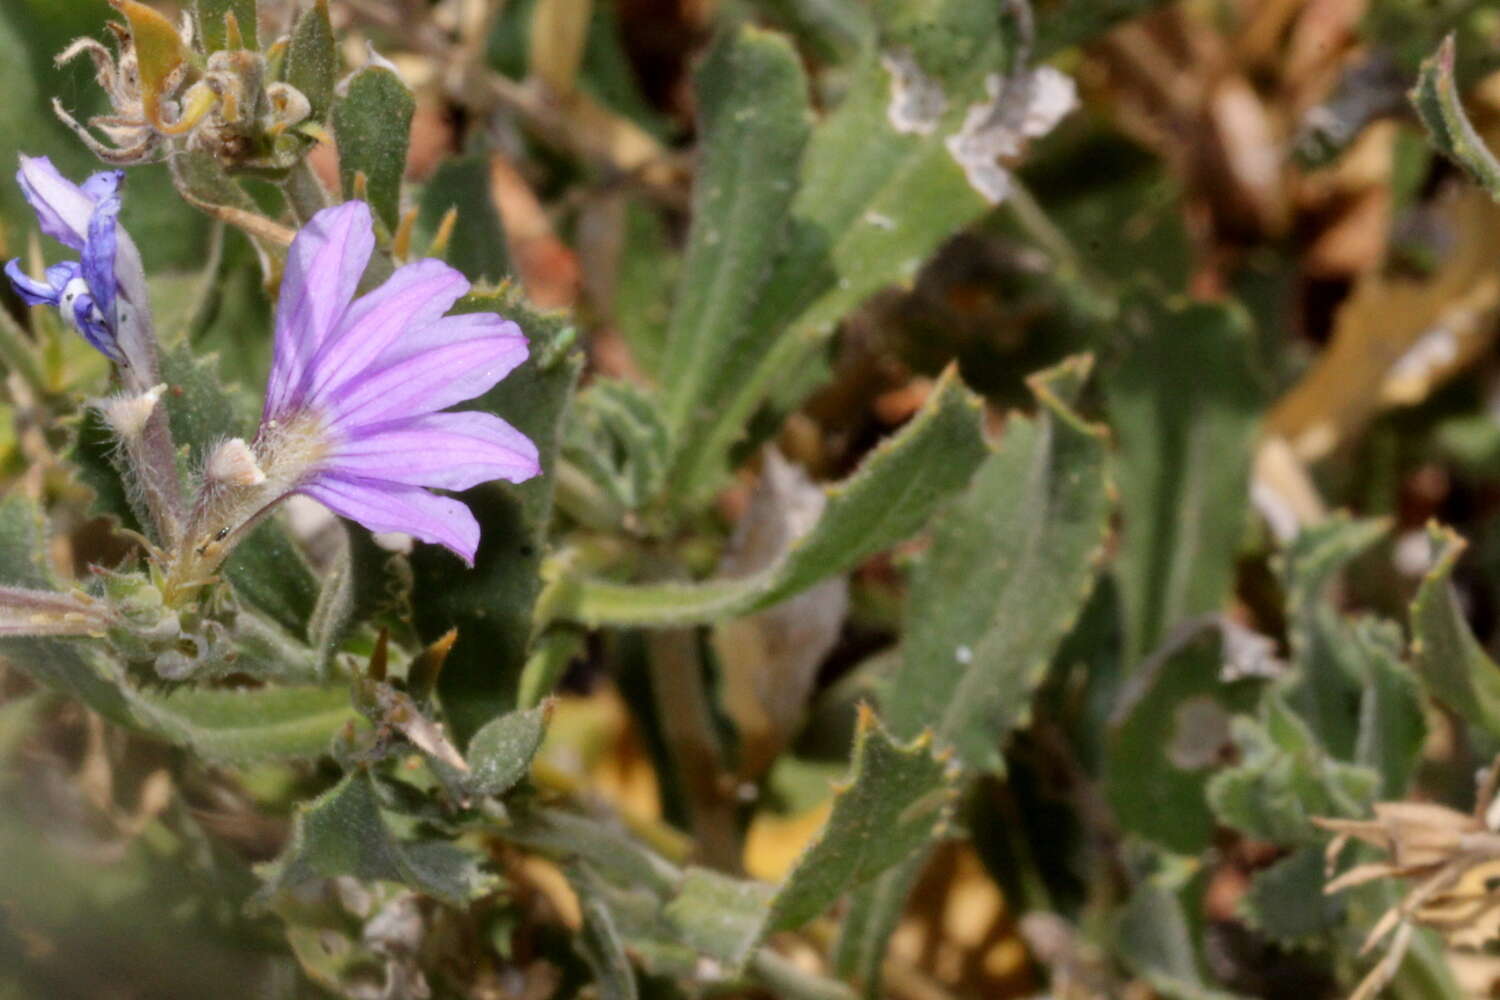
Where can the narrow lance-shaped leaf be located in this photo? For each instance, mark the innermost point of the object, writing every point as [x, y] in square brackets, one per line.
[1453, 666]
[753, 120]
[491, 605]
[1009, 569]
[896, 800]
[1184, 402]
[210, 15]
[1441, 109]
[312, 60]
[891, 496]
[372, 123]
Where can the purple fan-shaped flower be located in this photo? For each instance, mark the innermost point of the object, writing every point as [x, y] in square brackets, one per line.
[358, 388]
[82, 217]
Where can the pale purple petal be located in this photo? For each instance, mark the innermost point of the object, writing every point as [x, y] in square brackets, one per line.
[62, 208]
[452, 360]
[381, 506]
[452, 451]
[104, 184]
[415, 296]
[323, 268]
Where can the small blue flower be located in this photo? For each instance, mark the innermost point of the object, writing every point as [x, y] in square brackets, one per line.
[83, 218]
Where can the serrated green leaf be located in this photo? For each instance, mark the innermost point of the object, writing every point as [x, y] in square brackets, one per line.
[500, 754]
[1330, 669]
[210, 17]
[1184, 403]
[896, 800]
[344, 832]
[1286, 902]
[1438, 104]
[491, 605]
[1453, 666]
[753, 117]
[372, 124]
[891, 496]
[477, 244]
[1284, 778]
[1010, 566]
[312, 61]
[1166, 736]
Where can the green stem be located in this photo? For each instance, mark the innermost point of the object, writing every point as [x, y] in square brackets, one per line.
[304, 192]
[784, 979]
[682, 707]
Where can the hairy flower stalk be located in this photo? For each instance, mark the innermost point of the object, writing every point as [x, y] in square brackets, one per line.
[25, 612]
[351, 415]
[103, 296]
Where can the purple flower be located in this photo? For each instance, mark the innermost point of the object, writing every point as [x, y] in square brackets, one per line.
[352, 405]
[83, 217]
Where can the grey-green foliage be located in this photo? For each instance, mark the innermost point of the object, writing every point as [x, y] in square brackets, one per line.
[500, 753]
[1451, 662]
[892, 494]
[491, 604]
[477, 244]
[1436, 99]
[312, 59]
[345, 831]
[753, 116]
[1168, 734]
[1286, 901]
[871, 203]
[210, 17]
[1184, 402]
[1011, 563]
[895, 801]
[1284, 778]
[1155, 938]
[618, 438]
[372, 123]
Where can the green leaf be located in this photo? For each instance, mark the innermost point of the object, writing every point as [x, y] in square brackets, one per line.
[1392, 720]
[312, 61]
[242, 727]
[753, 118]
[1184, 403]
[1453, 666]
[372, 124]
[896, 800]
[210, 20]
[1168, 732]
[600, 940]
[1438, 104]
[1286, 902]
[477, 245]
[891, 496]
[872, 204]
[345, 832]
[648, 271]
[720, 916]
[1331, 671]
[616, 435]
[491, 605]
[1154, 939]
[1010, 567]
[874, 911]
[500, 754]
[1284, 778]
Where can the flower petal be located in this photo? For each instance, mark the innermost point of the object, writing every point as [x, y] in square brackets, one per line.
[104, 184]
[453, 451]
[32, 292]
[449, 361]
[323, 267]
[415, 296]
[390, 507]
[99, 256]
[62, 207]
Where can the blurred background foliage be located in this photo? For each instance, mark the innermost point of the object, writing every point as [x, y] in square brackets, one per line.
[1165, 586]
